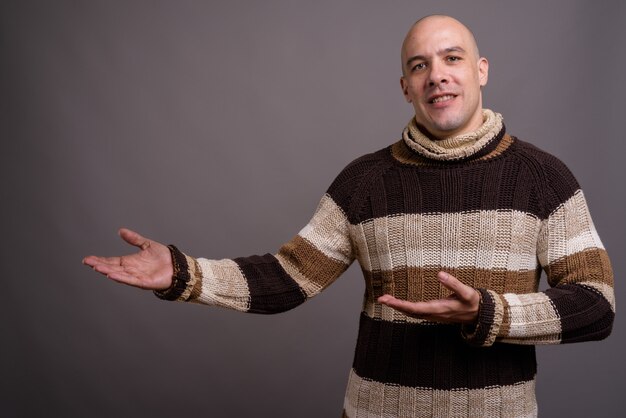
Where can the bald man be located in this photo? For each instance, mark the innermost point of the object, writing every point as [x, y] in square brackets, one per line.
[451, 225]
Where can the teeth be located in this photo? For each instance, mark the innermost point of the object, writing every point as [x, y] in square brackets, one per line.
[442, 98]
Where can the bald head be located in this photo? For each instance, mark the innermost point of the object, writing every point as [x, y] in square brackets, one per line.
[429, 25]
[442, 76]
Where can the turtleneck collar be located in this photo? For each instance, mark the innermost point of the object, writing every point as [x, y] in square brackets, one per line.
[455, 147]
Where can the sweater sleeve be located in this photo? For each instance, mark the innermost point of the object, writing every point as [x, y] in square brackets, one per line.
[274, 283]
[580, 303]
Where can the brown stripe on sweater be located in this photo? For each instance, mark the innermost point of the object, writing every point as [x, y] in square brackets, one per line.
[560, 184]
[502, 146]
[590, 265]
[437, 357]
[272, 290]
[351, 186]
[311, 262]
[401, 152]
[484, 331]
[474, 186]
[585, 314]
[517, 175]
[310, 288]
[483, 328]
[421, 284]
[505, 326]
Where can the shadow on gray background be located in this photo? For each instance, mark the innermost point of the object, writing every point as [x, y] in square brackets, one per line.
[217, 126]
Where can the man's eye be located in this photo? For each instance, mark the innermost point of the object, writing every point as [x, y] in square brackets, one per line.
[419, 66]
[454, 58]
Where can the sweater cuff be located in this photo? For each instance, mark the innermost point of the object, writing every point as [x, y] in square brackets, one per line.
[186, 273]
[490, 315]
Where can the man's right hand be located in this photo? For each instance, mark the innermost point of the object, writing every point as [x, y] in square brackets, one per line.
[150, 268]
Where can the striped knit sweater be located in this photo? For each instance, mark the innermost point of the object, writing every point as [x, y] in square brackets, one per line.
[489, 209]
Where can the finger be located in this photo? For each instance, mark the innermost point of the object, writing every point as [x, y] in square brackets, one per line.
[420, 309]
[90, 260]
[463, 291]
[133, 238]
[93, 261]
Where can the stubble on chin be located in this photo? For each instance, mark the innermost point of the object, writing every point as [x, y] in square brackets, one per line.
[447, 127]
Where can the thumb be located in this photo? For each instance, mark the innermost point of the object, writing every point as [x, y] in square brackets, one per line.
[133, 238]
[450, 282]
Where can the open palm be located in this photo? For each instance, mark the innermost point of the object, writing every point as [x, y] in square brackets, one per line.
[150, 268]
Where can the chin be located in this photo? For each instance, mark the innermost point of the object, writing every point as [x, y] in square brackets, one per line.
[447, 129]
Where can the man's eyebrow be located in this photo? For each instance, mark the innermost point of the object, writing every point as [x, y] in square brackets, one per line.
[441, 52]
[453, 49]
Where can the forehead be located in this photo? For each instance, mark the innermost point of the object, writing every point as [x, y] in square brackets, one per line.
[436, 35]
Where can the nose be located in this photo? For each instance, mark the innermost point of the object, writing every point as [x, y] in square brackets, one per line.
[437, 75]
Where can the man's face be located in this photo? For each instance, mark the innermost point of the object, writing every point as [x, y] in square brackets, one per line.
[442, 77]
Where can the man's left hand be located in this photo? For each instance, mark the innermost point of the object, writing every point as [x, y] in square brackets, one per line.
[460, 307]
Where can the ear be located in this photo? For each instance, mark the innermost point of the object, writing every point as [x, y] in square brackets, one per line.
[405, 89]
[483, 71]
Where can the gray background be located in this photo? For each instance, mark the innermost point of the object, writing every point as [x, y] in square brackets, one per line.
[218, 126]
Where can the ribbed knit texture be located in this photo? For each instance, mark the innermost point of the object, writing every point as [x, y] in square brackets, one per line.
[487, 208]
[455, 147]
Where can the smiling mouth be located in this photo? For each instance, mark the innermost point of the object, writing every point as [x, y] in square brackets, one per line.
[440, 99]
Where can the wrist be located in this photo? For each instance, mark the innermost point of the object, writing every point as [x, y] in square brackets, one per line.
[181, 277]
[489, 318]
